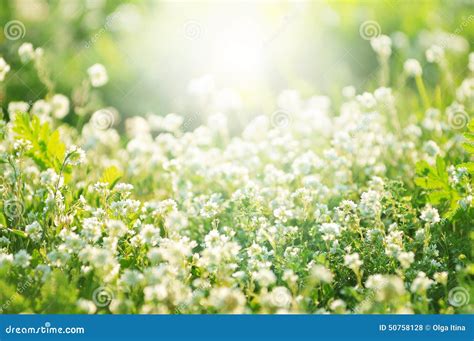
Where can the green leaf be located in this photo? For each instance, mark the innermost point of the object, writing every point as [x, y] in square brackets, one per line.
[470, 126]
[111, 175]
[428, 183]
[468, 147]
[468, 165]
[441, 169]
[47, 150]
[19, 233]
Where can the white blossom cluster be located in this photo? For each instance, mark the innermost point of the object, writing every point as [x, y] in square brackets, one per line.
[306, 216]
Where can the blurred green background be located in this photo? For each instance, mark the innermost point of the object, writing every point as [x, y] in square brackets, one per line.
[154, 49]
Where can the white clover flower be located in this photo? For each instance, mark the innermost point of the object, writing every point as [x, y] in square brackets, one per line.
[430, 215]
[150, 234]
[86, 306]
[4, 69]
[75, 156]
[227, 300]
[59, 106]
[330, 230]
[41, 108]
[264, 277]
[131, 278]
[98, 75]
[431, 148]
[382, 45]
[406, 259]
[386, 287]
[441, 277]
[435, 54]
[44, 270]
[370, 205]
[465, 90]
[280, 297]
[22, 259]
[367, 100]
[17, 107]
[432, 120]
[338, 306]
[157, 292]
[289, 276]
[172, 122]
[420, 235]
[421, 283]
[26, 52]
[34, 231]
[321, 274]
[58, 257]
[123, 187]
[412, 68]
[5, 259]
[116, 228]
[353, 262]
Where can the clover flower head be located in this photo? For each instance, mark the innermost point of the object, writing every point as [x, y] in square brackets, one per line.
[412, 68]
[98, 75]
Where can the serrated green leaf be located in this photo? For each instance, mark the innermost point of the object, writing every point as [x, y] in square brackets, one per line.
[468, 165]
[422, 167]
[468, 147]
[470, 126]
[469, 136]
[47, 148]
